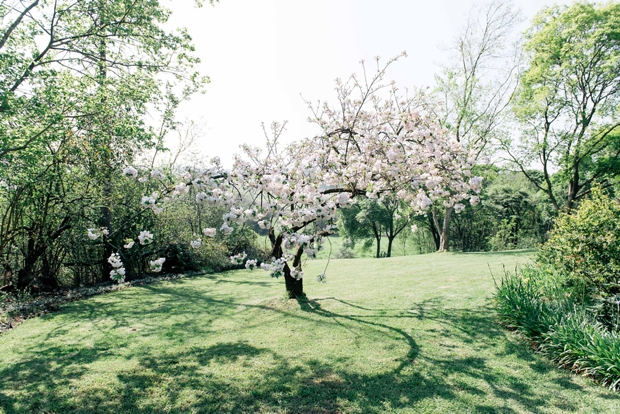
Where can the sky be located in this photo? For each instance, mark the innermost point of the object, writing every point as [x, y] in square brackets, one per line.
[266, 58]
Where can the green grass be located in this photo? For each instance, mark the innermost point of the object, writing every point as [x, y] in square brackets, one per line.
[333, 244]
[405, 334]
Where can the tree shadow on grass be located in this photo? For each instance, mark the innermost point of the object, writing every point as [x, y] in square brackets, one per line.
[464, 326]
[240, 377]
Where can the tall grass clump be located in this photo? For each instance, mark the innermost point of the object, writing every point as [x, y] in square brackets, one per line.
[568, 303]
[530, 301]
[584, 345]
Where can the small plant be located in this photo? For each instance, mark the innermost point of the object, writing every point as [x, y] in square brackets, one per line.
[576, 328]
[345, 253]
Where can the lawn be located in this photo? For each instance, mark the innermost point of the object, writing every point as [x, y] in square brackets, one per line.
[333, 245]
[405, 334]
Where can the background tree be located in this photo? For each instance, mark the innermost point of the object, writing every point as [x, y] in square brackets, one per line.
[472, 95]
[568, 99]
[372, 219]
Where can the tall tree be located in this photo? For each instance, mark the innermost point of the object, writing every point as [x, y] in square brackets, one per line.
[77, 79]
[568, 101]
[472, 95]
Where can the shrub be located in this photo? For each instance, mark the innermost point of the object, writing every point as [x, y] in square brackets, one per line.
[586, 244]
[345, 253]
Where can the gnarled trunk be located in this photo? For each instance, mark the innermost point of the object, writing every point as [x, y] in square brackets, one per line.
[294, 287]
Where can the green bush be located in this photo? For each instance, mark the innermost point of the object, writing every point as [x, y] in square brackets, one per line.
[586, 244]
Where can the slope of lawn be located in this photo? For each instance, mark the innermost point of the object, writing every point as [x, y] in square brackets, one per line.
[405, 334]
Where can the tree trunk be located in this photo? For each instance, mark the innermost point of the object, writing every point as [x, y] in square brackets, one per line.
[106, 214]
[573, 190]
[294, 287]
[377, 233]
[26, 277]
[444, 229]
[434, 231]
[389, 248]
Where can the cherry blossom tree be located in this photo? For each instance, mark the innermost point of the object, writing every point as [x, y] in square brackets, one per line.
[375, 142]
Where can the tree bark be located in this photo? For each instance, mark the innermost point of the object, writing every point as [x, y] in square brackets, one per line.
[36, 249]
[377, 233]
[444, 229]
[294, 287]
[106, 213]
[434, 230]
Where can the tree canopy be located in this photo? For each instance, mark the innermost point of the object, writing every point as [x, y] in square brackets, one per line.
[568, 100]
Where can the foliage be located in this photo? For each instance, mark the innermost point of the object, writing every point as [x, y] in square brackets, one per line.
[531, 299]
[568, 99]
[569, 302]
[585, 346]
[586, 244]
[77, 80]
[511, 215]
[540, 303]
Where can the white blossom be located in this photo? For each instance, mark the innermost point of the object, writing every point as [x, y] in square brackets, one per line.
[238, 258]
[156, 174]
[209, 232]
[115, 260]
[130, 172]
[147, 201]
[226, 229]
[157, 264]
[145, 237]
[93, 234]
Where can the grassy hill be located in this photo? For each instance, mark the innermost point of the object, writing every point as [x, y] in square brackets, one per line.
[406, 334]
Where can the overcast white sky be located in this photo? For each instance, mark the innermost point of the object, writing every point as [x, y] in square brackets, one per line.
[261, 55]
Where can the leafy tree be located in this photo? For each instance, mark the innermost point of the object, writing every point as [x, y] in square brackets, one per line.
[374, 219]
[472, 95]
[76, 82]
[568, 99]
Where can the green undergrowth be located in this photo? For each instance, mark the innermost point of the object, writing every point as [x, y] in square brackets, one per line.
[563, 321]
[405, 335]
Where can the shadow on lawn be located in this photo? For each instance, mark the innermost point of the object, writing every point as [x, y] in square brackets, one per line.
[202, 379]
